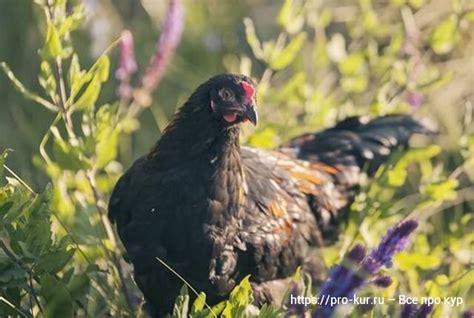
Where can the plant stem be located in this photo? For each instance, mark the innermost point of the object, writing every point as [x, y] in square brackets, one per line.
[19, 179]
[63, 100]
[61, 88]
[101, 207]
[33, 293]
[6, 301]
[22, 266]
[27, 93]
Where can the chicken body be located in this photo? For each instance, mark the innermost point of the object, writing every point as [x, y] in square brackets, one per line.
[216, 212]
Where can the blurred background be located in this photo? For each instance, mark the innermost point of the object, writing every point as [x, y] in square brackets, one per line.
[315, 62]
[214, 32]
[214, 41]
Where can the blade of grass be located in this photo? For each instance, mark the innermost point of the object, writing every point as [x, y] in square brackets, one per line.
[185, 282]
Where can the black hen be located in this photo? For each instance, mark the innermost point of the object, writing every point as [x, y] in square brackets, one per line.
[216, 212]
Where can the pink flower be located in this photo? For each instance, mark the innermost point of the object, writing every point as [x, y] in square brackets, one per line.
[127, 64]
[169, 39]
[415, 99]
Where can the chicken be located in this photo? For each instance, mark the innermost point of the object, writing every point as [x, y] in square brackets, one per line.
[216, 212]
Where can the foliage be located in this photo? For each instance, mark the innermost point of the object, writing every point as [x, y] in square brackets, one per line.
[59, 255]
[77, 154]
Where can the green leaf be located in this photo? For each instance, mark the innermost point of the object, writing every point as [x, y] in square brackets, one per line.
[129, 125]
[239, 299]
[296, 278]
[181, 306]
[16, 210]
[325, 17]
[290, 17]
[355, 84]
[445, 35]
[76, 78]
[198, 304]
[252, 39]
[469, 16]
[396, 42]
[416, 4]
[101, 68]
[106, 137]
[397, 175]
[106, 149]
[67, 156]
[58, 3]
[58, 300]
[286, 56]
[284, 16]
[55, 261]
[47, 79]
[398, 73]
[90, 95]
[353, 64]
[320, 53]
[407, 260]
[442, 279]
[99, 73]
[292, 90]
[37, 225]
[72, 21]
[266, 138]
[444, 190]
[241, 295]
[3, 158]
[228, 310]
[216, 310]
[420, 154]
[79, 285]
[5, 206]
[12, 274]
[52, 47]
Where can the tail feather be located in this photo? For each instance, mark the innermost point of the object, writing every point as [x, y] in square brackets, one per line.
[352, 146]
[357, 142]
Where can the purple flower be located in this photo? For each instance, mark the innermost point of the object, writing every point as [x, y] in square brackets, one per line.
[383, 281]
[169, 39]
[394, 241]
[413, 98]
[344, 281]
[468, 314]
[408, 310]
[340, 272]
[357, 253]
[411, 311]
[127, 64]
[424, 311]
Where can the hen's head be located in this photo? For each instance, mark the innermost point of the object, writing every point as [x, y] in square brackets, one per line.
[231, 98]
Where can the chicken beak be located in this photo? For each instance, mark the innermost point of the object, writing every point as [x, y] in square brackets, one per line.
[251, 114]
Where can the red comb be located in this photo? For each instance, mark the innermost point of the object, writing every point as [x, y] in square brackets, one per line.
[248, 89]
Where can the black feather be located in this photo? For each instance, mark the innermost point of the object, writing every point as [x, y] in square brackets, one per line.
[216, 212]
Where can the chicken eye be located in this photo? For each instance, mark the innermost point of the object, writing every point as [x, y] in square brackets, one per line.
[226, 95]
